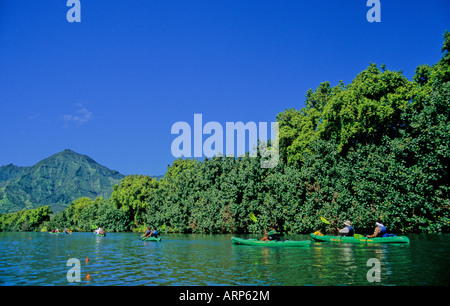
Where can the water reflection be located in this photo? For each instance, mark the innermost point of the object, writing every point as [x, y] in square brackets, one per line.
[347, 263]
[121, 259]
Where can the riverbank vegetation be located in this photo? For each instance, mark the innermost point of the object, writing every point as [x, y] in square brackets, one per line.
[25, 220]
[377, 148]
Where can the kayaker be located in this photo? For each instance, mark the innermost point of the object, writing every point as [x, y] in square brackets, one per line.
[348, 230]
[154, 233]
[148, 233]
[100, 231]
[380, 230]
[271, 235]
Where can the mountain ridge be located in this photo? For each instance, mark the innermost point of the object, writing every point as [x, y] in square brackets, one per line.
[56, 181]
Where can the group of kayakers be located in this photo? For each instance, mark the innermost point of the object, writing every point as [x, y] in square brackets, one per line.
[57, 230]
[272, 234]
[151, 232]
[349, 231]
[346, 231]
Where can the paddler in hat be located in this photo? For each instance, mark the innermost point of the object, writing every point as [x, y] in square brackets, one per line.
[348, 230]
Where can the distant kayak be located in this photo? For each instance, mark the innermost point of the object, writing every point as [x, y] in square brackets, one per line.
[276, 243]
[151, 239]
[100, 235]
[392, 239]
[58, 233]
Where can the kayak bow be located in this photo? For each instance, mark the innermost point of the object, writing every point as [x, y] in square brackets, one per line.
[151, 239]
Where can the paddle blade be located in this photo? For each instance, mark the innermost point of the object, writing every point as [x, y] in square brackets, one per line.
[253, 217]
[324, 220]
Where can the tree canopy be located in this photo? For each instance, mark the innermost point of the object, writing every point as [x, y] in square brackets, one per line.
[377, 148]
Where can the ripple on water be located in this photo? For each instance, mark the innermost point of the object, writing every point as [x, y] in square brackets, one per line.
[120, 259]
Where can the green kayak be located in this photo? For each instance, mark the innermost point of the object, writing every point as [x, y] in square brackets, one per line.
[151, 239]
[100, 235]
[393, 239]
[277, 243]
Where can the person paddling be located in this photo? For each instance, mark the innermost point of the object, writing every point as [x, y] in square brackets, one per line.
[100, 231]
[268, 236]
[380, 230]
[348, 230]
[154, 233]
[148, 233]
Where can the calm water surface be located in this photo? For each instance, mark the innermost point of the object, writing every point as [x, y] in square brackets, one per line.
[121, 259]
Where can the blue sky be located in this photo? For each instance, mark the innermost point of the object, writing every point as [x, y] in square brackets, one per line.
[112, 86]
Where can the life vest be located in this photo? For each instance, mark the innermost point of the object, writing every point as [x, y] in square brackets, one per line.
[273, 235]
[383, 231]
[351, 231]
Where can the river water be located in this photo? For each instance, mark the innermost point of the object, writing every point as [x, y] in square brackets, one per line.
[28, 259]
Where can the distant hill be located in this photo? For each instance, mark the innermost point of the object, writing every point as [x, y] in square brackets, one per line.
[10, 172]
[56, 181]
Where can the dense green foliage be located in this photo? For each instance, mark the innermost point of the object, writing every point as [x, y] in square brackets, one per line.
[130, 197]
[86, 215]
[377, 148]
[25, 220]
[55, 181]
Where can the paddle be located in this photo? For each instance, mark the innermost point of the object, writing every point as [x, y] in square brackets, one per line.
[94, 227]
[325, 220]
[145, 231]
[254, 219]
[357, 236]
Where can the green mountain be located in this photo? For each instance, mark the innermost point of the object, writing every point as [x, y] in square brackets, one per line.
[56, 181]
[11, 171]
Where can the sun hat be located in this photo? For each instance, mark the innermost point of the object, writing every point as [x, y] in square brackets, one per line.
[348, 223]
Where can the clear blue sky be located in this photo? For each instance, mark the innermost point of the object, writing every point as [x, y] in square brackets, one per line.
[112, 86]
